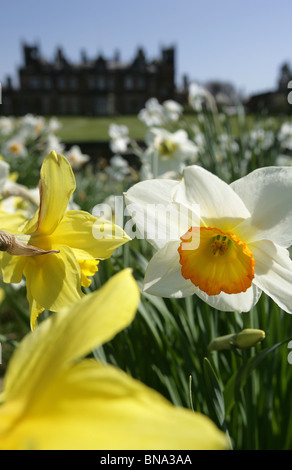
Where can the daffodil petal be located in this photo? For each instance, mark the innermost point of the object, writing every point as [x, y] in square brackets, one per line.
[99, 407]
[69, 335]
[54, 279]
[163, 274]
[57, 185]
[273, 272]
[12, 222]
[216, 198]
[12, 267]
[242, 302]
[35, 309]
[267, 193]
[4, 173]
[156, 216]
[88, 236]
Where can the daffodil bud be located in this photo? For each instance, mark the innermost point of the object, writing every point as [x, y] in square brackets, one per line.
[13, 246]
[247, 338]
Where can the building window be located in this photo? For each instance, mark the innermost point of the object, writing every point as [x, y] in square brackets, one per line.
[61, 83]
[34, 83]
[46, 105]
[140, 82]
[73, 83]
[47, 83]
[111, 83]
[128, 82]
[91, 83]
[100, 81]
[100, 105]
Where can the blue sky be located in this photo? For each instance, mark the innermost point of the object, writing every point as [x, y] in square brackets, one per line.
[241, 41]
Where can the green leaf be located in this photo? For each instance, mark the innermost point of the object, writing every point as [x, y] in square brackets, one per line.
[252, 364]
[214, 392]
[238, 380]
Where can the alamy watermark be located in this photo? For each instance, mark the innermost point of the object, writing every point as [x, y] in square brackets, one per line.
[155, 222]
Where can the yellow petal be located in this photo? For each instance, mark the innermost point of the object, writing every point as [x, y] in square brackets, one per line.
[12, 222]
[88, 268]
[70, 334]
[54, 279]
[34, 308]
[88, 236]
[57, 184]
[93, 406]
[12, 267]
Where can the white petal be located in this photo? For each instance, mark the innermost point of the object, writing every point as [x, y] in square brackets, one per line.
[242, 302]
[163, 275]
[156, 217]
[273, 272]
[4, 172]
[267, 193]
[216, 198]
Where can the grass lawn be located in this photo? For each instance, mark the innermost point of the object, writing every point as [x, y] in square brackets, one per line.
[80, 129]
[91, 129]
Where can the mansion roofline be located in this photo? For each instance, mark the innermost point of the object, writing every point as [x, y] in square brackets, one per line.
[91, 87]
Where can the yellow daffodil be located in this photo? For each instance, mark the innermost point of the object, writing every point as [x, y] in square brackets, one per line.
[231, 249]
[68, 239]
[53, 398]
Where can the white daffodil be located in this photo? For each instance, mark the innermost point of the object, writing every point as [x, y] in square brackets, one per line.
[4, 173]
[172, 110]
[230, 251]
[260, 140]
[173, 150]
[283, 160]
[33, 125]
[54, 125]
[53, 142]
[15, 147]
[76, 157]
[6, 125]
[285, 135]
[118, 168]
[119, 138]
[198, 96]
[153, 114]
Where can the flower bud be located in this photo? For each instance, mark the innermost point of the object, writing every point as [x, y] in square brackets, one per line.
[247, 338]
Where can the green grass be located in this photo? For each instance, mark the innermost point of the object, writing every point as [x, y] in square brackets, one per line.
[84, 129]
[81, 129]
